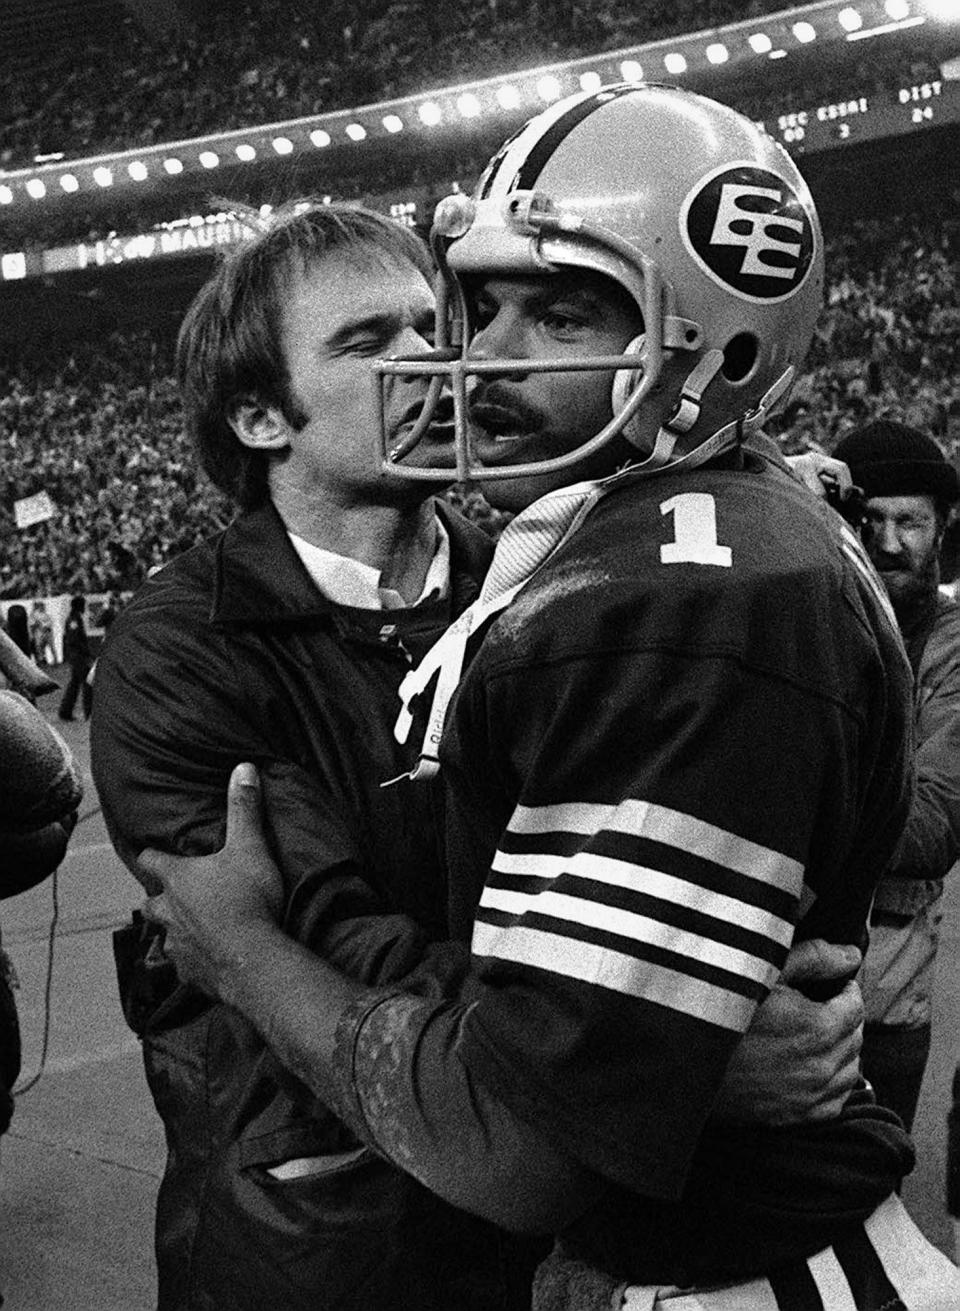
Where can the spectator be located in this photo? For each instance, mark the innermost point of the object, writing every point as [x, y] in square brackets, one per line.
[41, 634]
[76, 654]
[910, 489]
[18, 628]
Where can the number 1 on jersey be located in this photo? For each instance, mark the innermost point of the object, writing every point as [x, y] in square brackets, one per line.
[694, 531]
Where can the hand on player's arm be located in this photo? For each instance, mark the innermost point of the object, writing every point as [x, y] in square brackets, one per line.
[800, 1059]
[220, 914]
[798, 1062]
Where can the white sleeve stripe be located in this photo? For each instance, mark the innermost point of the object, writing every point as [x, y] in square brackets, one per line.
[634, 878]
[831, 1281]
[636, 928]
[672, 828]
[603, 968]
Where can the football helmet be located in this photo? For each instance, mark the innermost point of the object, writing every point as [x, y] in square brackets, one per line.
[700, 215]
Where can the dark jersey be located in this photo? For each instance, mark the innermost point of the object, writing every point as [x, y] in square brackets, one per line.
[684, 745]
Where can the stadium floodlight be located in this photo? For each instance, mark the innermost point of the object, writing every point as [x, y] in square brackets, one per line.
[430, 113]
[508, 96]
[36, 189]
[850, 19]
[69, 182]
[760, 43]
[209, 159]
[138, 171]
[549, 89]
[805, 33]
[355, 131]
[468, 105]
[675, 63]
[944, 10]
[392, 122]
[282, 145]
[173, 166]
[246, 153]
[320, 138]
[590, 82]
[631, 71]
[6, 196]
[717, 53]
[103, 177]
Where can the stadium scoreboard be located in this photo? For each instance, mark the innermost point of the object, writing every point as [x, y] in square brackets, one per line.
[871, 117]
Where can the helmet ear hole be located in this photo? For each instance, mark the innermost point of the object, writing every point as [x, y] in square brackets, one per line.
[739, 356]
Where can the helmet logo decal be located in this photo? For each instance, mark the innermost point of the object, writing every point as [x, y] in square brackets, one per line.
[750, 231]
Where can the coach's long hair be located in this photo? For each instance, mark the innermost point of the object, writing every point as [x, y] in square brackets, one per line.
[229, 349]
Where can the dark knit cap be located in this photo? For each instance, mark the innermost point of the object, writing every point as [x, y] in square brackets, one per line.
[886, 458]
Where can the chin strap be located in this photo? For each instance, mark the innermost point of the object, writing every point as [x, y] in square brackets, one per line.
[684, 417]
[688, 412]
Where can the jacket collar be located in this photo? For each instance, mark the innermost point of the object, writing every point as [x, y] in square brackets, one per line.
[260, 579]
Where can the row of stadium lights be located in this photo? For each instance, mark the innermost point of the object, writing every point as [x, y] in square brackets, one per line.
[549, 88]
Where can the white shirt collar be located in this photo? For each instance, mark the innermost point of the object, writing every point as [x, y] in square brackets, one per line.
[346, 581]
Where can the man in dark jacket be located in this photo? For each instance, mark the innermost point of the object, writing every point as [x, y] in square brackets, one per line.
[284, 640]
[76, 654]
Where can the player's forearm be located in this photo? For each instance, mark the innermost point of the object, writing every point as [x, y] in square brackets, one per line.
[293, 999]
[387, 1064]
[406, 1089]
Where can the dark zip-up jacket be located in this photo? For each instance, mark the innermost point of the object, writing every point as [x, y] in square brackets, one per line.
[231, 653]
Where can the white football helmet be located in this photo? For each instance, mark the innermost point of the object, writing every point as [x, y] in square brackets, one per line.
[690, 206]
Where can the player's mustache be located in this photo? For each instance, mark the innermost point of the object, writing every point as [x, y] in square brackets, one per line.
[496, 400]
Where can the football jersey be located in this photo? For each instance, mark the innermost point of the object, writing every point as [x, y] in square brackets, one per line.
[684, 745]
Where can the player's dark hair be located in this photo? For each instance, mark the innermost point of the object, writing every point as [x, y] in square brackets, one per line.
[229, 347]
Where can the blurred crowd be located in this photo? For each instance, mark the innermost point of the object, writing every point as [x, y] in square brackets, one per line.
[238, 65]
[888, 338]
[98, 426]
[98, 429]
[231, 66]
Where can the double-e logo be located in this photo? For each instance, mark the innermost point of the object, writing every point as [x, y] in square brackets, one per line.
[750, 231]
